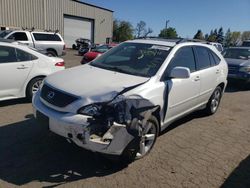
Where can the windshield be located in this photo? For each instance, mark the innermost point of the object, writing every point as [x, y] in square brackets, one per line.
[246, 43]
[4, 33]
[134, 58]
[101, 49]
[237, 53]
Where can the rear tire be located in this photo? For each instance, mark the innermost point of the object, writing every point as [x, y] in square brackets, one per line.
[214, 101]
[138, 149]
[33, 87]
[51, 53]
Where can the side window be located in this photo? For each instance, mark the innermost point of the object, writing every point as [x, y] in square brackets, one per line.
[7, 54]
[46, 37]
[184, 57]
[202, 57]
[24, 56]
[19, 36]
[216, 58]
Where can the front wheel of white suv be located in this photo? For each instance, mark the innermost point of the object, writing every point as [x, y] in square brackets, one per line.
[214, 101]
[140, 147]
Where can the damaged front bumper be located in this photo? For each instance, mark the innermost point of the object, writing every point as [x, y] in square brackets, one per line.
[78, 129]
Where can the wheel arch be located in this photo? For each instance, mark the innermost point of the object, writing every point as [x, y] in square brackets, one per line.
[52, 49]
[27, 84]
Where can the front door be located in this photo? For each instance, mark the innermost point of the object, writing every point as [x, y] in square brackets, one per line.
[183, 94]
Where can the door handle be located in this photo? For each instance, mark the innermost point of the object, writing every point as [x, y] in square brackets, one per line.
[217, 71]
[22, 67]
[197, 78]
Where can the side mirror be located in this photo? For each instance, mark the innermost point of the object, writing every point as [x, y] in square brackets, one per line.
[180, 72]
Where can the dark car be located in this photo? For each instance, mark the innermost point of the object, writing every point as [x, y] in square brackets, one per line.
[246, 43]
[238, 59]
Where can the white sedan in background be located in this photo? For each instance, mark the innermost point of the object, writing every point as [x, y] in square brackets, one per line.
[22, 70]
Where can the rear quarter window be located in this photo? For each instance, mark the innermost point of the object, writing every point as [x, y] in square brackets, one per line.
[203, 59]
[215, 60]
[46, 37]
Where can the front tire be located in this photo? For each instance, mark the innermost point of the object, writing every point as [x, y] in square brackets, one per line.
[139, 148]
[33, 87]
[214, 101]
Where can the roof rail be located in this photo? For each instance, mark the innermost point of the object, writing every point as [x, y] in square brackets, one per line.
[192, 40]
[175, 40]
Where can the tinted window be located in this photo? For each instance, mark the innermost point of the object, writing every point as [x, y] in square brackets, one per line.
[184, 57]
[24, 56]
[246, 43]
[202, 57]
[215, 60]
[46, 37]
[19, 36]
[7, 54]
[237, 53]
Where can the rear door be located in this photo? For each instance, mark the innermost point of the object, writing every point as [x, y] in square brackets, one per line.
[183, 94]
[15, 66]
[209, 71]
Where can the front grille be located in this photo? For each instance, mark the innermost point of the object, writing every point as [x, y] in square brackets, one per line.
[233, 69]
[55, 97]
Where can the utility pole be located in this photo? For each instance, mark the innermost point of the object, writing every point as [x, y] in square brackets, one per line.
[167, 21]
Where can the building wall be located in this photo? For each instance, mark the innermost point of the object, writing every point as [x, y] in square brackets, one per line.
[48, 15]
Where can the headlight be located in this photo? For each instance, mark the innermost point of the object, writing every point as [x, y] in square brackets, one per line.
[245, 69]
[90, 110]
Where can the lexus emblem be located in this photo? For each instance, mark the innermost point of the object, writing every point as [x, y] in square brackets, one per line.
[50, 95]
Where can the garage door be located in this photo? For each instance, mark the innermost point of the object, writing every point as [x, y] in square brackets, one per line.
[76, 28]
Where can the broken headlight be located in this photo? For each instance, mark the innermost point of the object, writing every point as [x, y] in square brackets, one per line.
[90, 110]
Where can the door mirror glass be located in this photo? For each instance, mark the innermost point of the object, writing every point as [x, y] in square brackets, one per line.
[180, 72]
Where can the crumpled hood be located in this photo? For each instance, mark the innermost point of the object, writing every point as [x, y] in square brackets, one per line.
[92, 84]
[239, 62]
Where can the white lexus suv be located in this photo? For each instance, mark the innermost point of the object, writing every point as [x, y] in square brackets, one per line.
[119, 103]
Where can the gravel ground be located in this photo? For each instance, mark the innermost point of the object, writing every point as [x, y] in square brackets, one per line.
[197, 151]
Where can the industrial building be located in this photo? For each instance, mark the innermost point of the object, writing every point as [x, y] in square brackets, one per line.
[72, 18]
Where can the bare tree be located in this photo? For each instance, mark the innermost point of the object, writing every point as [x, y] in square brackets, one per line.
[140, 29]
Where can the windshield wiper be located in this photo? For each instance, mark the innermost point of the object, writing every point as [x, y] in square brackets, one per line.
[116, 69]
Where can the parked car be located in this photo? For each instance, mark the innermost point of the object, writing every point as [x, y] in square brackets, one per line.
[246, 43]
[23, 69]
[96, 52]
[217, 45]
[86, 47]
[238, 59]
[50, 42]
[120, 102]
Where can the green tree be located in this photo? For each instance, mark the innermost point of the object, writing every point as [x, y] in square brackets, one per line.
[213, 35]
[235, 38]
[228, 38]
[245, 35]
[220, 36]
[168, 33]
[199, 35]
[122, 31]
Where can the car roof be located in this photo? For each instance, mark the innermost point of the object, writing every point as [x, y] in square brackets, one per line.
[172, 42]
